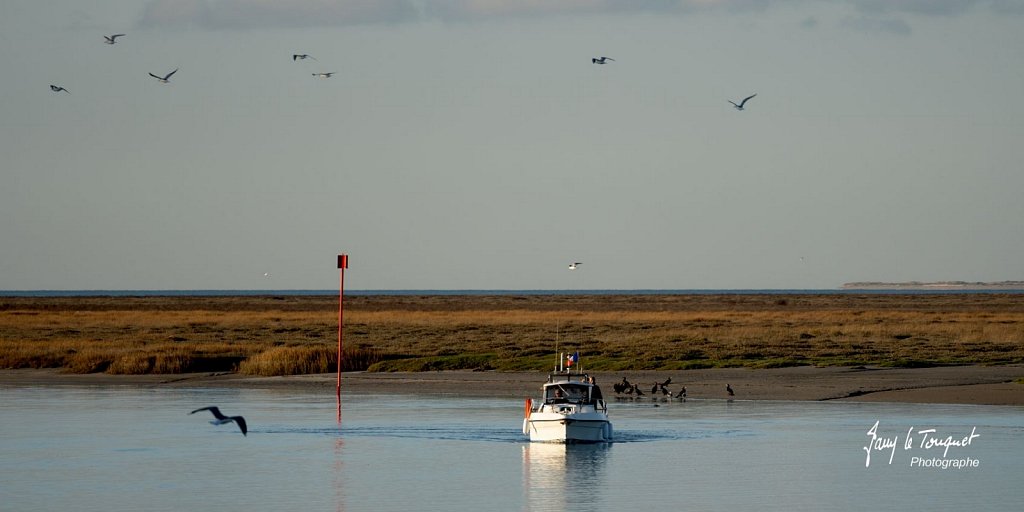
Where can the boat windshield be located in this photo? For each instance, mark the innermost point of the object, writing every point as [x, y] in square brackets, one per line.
[566, 392]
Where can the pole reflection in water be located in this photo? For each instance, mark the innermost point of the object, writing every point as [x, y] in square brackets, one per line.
[557, 476]
[339, 473]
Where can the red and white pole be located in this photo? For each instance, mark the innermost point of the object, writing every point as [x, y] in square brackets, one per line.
[342, 265]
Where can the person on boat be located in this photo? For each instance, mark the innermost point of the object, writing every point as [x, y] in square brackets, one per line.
[558, 397]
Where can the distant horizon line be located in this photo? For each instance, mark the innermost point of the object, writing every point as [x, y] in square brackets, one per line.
[183, 292]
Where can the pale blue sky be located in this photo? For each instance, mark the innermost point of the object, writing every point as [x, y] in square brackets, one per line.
[472, 144]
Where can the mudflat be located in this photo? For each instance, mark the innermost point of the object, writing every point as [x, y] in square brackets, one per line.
[982, 385]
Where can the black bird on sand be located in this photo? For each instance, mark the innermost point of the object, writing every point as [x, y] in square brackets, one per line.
[222, 419]
[728, 389]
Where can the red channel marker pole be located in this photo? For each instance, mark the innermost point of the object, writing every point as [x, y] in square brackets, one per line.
[342, 265]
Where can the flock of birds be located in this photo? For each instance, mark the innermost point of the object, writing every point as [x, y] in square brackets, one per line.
[112, 39]
[626, 390]
[165, 79]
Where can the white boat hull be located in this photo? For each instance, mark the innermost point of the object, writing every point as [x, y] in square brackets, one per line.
[559, 428]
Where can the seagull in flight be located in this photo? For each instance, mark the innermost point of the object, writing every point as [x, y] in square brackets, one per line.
[57, 88]
[165, 79]
[573, 265]
[740, 106]
[302, 56]
[221, 419]
[601, 60]
[112, 39]
[324, 75]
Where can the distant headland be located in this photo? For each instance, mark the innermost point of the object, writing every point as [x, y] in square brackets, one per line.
[936, 285]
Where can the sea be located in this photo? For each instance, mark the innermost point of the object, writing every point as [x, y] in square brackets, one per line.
[130, 448]
[217, 293]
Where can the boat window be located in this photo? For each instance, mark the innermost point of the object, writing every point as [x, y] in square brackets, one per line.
[567, 393]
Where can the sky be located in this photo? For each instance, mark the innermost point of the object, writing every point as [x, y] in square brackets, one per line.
[472, 144]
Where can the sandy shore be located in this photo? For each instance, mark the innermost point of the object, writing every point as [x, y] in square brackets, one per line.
[989, 385]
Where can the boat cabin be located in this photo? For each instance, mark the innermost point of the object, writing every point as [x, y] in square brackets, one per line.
[565, 390]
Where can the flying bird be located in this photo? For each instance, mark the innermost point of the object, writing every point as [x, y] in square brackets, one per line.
[57, 88]
[601, 60]
[302, 56]
[572, 266]
[165, 79]
[112, 39]
[744, 102]
[222, 419]
[324, 75]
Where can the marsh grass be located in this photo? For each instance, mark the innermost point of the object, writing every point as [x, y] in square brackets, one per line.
[296, 335]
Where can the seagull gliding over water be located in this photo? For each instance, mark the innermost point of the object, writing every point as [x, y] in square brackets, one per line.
[222, 419]
[111, 39]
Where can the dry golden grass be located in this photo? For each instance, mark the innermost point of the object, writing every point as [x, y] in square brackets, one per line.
[288, 335]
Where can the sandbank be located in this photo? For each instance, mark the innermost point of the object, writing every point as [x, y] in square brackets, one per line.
[981, 385]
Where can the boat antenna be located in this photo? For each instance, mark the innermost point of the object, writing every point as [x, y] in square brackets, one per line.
[558, 357]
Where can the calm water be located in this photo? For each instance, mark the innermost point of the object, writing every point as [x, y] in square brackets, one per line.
[126, 448]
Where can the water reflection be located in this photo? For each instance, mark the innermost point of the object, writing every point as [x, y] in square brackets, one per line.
[557, 476]
[339, 475]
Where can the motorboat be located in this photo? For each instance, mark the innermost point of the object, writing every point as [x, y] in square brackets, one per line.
[572, 410]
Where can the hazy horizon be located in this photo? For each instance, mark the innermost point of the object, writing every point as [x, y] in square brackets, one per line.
[473, 145]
